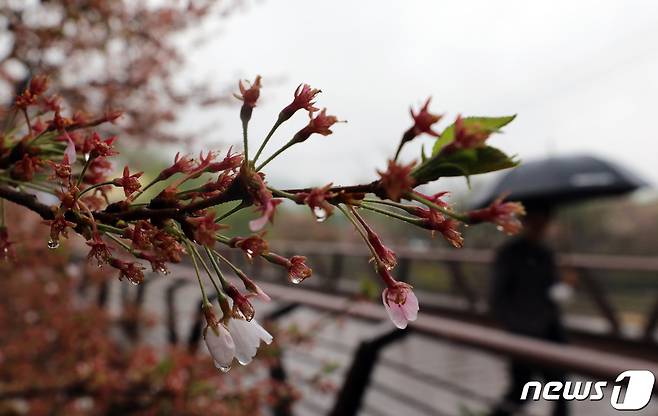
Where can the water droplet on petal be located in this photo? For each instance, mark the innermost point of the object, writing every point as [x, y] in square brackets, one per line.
[223, 368]
[320, 214]
[53, 244]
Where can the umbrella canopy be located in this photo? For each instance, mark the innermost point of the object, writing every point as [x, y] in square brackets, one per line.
[558, 180]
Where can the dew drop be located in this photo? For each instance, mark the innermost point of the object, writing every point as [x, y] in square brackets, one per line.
[320, 214]
[222, 368]
[53, 244]
[295, 279]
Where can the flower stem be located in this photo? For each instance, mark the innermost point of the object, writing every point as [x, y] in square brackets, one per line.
[195, 252]
[283, 194]
[84, 170]
[215, 266]
[141, 191]
[98, 185]
[231, 211]
[245, 141]
[267, 139]
[198, 275]
[357, 226]
[459, 217]
[411, 220]
[275, 154]
[119, 242]
[225, 260]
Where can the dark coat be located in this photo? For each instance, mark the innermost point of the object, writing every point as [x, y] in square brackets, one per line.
[523, 274]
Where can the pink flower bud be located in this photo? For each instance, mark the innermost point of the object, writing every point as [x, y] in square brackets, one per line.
[316, 200]
[397, 180]
[205, 229]
[504, 214]
[320, 125]
[423, 121]
[240, 302]
[182, 164]
[130, 270]
[129, 183]
[253, 246]
[99, 250]
[303, 99]
[399, 300]
[298, 271]
[467, 136]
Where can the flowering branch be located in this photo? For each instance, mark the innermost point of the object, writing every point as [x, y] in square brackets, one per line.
[177, 223]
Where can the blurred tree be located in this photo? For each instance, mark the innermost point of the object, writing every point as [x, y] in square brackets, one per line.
[108, 55]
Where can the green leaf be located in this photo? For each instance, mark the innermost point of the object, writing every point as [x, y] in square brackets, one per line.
[465, 162]
[423, 156]
[492, 124]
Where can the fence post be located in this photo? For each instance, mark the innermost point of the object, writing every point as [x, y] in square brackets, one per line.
[652, 323]
[357, 379]
[461, 284]
[403, 269]
[170, 299]
[598, 296]
[278, 371]
[335, 272]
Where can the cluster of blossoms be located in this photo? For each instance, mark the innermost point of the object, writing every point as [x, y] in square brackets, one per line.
[48, 152]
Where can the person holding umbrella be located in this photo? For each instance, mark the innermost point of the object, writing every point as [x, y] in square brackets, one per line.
[524, 277]
[526, 286]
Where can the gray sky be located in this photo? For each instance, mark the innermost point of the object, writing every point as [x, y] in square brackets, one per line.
[582, 76]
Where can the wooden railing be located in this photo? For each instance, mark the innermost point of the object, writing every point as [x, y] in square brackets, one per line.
[332, 290]
[465, 300]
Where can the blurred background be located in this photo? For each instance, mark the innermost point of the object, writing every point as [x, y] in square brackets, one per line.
[582, 77]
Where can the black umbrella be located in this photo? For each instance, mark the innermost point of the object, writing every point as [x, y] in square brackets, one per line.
[558, 180]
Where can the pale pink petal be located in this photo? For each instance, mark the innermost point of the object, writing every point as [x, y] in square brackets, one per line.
[410, 306]
[258, 223]
[401, 314]
[247, 336]
[70, 151]
[260, 295]
[220, 345]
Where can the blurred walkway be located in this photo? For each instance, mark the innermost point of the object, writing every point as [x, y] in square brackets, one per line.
[416, 376]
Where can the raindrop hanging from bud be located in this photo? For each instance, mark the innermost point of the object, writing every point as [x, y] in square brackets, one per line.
[295, 279]
[53, 244]
[320, 214]
[223, 368]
